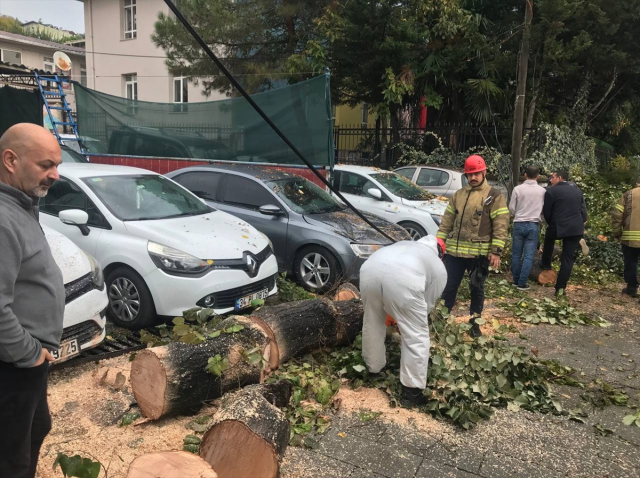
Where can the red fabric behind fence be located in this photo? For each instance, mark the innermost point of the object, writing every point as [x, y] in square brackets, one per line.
[163, 165]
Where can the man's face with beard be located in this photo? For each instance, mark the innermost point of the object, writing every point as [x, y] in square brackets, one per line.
[475, 179]
[32, 161]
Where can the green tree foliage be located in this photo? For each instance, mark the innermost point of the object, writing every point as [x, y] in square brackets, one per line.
[11, 25]
[255, 37]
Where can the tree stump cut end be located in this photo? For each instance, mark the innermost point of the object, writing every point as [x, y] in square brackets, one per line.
[170, 464]
[149, 382]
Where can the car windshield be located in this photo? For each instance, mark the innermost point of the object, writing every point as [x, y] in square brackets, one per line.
[401, 186]
[303, 196]
[143, 197]
[94, 146]
[70, 156]
[209, 150]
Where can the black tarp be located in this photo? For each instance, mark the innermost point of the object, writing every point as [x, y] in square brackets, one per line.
[19, 106]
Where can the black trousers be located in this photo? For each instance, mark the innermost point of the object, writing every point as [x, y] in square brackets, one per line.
[24, 418]
[456, 268]
[630, 255]
[569, 247]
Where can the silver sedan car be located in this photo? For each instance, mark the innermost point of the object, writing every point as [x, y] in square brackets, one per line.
[440, 181]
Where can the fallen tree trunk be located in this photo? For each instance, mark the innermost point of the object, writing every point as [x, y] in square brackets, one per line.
[347, 291]
[540, 275]
[308, 325]
[249, 433]
[170, 464]
[173, 380]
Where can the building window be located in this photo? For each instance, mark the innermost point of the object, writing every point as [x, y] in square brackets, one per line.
[49, 65]
[130, 24]
[10, 56]
[365, 115]
[131, 91]
[83, 74]
[180, 93]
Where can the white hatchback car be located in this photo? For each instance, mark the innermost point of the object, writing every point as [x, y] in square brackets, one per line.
[391, 196]
[85, 297]
[439, 181]
[162, 249]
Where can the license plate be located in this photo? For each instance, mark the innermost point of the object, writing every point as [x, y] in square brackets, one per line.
[68, 349]
[245, 302]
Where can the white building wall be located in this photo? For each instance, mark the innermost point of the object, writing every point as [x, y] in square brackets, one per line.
[110, 56]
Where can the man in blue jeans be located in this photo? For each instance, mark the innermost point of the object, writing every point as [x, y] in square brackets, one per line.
[526, 204]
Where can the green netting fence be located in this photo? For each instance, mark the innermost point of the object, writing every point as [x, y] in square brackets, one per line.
[216, 130]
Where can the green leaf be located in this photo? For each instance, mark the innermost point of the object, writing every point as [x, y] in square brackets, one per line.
[178, 321]
[76, 466]
[451, 339]
[257, 302]
[359, 368]
[215, 334]
[129, 418]
[629, 419]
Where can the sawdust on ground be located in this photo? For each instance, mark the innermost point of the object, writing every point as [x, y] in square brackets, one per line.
[86, 418]
[375, 400]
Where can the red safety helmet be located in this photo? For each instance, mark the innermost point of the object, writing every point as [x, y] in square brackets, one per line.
[474, 164]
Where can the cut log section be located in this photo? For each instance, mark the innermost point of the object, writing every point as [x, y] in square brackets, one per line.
[347, 291]
[249, 433]
[170, 464]
[308, 325]
[173, 380]
[540, 275]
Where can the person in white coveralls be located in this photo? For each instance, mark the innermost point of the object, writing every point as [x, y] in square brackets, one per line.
[403, 280]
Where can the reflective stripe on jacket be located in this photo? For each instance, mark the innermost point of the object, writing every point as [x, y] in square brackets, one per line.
[475, 222]
[626, 218]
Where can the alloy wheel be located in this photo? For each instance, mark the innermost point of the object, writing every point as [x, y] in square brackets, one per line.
[415, 235]
[315, 270]
[124, 299]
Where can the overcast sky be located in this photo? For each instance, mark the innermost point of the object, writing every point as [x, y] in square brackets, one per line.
[67, 14]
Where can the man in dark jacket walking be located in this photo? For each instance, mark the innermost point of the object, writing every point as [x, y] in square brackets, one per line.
[565, 212]
[31, 296]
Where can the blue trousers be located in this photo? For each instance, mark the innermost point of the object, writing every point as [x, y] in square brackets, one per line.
[525, 241]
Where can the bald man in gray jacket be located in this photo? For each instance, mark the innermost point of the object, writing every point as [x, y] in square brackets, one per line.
[31, 297]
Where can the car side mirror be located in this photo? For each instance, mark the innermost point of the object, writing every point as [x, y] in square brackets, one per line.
[270, 210]
[75, 217]
[375, 192]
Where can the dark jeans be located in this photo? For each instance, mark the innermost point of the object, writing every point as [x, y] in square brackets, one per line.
[525, 241]
[456, 267]
[569, 247]
[630, 255]
[24, 418]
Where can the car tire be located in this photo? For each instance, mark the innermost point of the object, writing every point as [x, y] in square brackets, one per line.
[416, 231]
[319, 281]
[130, 302]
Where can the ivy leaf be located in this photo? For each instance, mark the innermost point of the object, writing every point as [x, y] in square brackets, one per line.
[629, 419]
[359, 368]
[76, 466]
[215, 334]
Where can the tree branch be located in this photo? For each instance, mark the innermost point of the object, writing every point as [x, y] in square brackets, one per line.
[606, 93]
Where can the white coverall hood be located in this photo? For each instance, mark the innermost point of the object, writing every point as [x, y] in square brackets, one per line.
[404, 280]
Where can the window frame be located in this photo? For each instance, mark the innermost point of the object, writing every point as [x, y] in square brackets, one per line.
[129, 15]
[104, 223]
[2, 58]
[83, 74]
[274, 200]
[181, 103]
[432, 171]
[364, 194]
[218, 189]
[48, 64]
[131, 80]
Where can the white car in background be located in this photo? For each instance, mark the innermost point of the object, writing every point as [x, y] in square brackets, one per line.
[162, 249]
[438, 181]
[85, 297]
[91, 145]
[391, 196]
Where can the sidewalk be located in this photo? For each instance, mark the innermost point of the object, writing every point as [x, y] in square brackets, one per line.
[510, 444]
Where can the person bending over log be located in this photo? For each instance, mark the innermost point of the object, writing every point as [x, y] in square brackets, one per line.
[403, 280]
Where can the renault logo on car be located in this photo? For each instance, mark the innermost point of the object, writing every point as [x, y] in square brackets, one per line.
[252, 264]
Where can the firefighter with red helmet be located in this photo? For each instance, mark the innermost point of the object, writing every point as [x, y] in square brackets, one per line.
[474, 227]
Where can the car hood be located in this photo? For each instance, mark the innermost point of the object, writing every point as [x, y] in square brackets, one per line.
[70, 259]
[215, 235]
[347, 223]
[433, 206]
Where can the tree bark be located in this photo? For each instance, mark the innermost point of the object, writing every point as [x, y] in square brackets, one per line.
[170, 464]
[539, 275]
[249, 433]
[173, 380]
[308, 325]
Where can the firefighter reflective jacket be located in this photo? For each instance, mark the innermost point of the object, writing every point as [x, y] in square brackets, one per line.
[626, 218]
[475, 222]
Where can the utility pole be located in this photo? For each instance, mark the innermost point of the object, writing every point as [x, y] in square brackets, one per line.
[518, 114]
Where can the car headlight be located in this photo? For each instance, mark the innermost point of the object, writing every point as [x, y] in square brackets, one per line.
[365, 250]
[437, 218]
[174, 261]
[97, 277]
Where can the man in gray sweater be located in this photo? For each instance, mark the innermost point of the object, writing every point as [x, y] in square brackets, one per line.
[31, 296]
